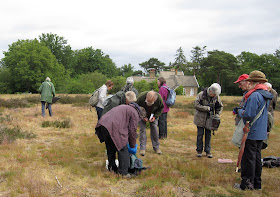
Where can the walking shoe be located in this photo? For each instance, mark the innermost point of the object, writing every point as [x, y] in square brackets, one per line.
[142, 152]
[158, 151]
[209, 155]
[199, 154]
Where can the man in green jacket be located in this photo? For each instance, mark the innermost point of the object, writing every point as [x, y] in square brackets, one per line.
[152, 102]
[47, 92]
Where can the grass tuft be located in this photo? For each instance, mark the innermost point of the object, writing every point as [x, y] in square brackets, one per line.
[8, 135]
[57, 124]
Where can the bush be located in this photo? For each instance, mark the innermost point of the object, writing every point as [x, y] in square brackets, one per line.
[11, 134]
[142, 86]
[57, 124]
[179, 90]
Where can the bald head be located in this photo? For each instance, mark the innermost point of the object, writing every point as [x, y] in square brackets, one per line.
[151, 98]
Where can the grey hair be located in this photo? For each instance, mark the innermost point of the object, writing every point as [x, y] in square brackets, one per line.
[129, 80]
[215, 88]
[268, 84]
[130, 96]
[48, 79]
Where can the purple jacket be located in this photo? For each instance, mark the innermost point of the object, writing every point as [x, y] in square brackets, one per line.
[121, 123]
[164, 93]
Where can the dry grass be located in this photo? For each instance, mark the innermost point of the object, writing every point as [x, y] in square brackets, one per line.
[74, 155]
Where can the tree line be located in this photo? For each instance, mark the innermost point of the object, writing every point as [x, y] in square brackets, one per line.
[26, 64]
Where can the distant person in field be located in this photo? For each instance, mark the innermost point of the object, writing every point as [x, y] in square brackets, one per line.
[206, 102]
[118, 99]
[256, 105]
[129, 86]
[162, 121]
[102, 96]
[244, 86]
[117, 128]
[47, 92]
[153, 105]
[273, 102]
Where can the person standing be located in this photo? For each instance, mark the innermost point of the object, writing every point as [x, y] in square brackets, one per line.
[206, 102]
[153, 105]
[244, 86]
[102, 96]
[129, 86]
[254, 110]
[47, 92]
[117, 128]
[162, 121]
[273, 102]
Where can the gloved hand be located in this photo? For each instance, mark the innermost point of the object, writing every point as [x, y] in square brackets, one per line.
[235, 110]
[212, 106]
[132, 150]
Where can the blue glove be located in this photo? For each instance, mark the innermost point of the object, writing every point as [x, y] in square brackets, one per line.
[132, 150]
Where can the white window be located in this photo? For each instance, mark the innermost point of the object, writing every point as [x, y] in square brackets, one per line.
[192, 92]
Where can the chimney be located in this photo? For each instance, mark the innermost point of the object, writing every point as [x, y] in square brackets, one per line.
[152, 73]
[176, 72]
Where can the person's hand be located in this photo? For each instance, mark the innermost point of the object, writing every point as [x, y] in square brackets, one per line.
[145, 119]
[152, 119]
[235, 110]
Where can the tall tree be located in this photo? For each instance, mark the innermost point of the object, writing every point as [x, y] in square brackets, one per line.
[180, 59]
[197, 56]
[29, 62]
[153, 63]
[127, 70]
[58, 46]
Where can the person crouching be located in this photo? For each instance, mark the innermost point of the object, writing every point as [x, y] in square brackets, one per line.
[117, 128]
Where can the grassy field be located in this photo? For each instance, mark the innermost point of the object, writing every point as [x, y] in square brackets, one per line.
[61, 156]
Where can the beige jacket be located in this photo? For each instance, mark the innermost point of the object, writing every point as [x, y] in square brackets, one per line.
[202, 105]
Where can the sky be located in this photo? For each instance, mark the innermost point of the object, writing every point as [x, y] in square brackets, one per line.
[133, 31]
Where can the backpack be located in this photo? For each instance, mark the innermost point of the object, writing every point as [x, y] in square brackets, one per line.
[171, 97]
[93, 100]
[136, 165]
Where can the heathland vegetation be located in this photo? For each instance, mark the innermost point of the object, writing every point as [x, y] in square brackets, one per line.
[61, 156]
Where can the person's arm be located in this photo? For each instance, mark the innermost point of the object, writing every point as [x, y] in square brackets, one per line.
[157, 112]
[132, 130]
[199, 106]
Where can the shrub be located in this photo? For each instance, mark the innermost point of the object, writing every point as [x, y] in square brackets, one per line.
[179, 90]
[11, 134]
[57, 124]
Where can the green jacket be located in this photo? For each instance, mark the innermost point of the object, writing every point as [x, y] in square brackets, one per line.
[114, 101]
[157, 106]
[47, 91]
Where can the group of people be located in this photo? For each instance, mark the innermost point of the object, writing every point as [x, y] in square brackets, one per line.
[119, 116]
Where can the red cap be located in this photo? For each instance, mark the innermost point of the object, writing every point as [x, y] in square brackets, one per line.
[241, 78]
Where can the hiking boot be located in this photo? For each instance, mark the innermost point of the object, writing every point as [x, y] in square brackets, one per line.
[142, 152]
[209, 155]
[199, 154]
[158, 151]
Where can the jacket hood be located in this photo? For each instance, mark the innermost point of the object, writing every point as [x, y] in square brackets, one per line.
[265, 94]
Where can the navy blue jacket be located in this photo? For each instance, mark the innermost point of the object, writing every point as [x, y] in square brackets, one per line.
[250, 110]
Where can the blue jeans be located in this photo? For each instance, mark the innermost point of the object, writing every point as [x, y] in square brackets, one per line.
[199, 142]
[162, 125]
[99, 112]
[49, 108]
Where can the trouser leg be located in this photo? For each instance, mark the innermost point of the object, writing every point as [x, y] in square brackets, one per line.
[99, 112]
[124, 160]
[162, 125]
[43, 108]
[207, 147]
[248, 165]
[154, 134]
[258, 170]
[50, 109]
[143, 136]
[199, 139]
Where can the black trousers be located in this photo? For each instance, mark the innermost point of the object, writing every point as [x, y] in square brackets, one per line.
[162, 125]
[251, 165]
[199, 140]
[123, 155]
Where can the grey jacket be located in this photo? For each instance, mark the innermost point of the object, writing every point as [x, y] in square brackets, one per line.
[202, 105]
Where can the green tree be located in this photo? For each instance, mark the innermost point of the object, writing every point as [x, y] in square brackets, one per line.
[218, 67]
[196, 59]
[127, 70]
[5, 81]
[29, 62]
[153, 63]
[142, 86]
[90, 60]
[58, 46]
[180, 59]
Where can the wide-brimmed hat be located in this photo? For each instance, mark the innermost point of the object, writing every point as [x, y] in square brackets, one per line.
[241, 78]
[256, 76]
